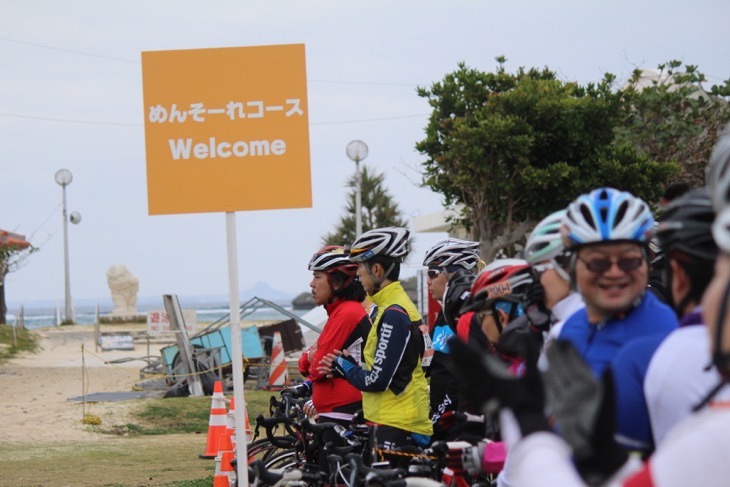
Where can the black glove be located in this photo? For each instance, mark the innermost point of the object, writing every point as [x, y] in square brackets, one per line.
[458, 455]
[302, 390]
[486, 380]
[585, 412]
[535, 310]
[341, 365]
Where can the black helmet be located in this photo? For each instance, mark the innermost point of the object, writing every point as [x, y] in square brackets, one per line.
[456, 294]
[686, 226]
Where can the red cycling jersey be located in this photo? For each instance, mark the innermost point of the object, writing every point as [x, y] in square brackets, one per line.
[347, 322]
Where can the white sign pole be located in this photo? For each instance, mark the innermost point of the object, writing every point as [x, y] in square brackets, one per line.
[236, 354]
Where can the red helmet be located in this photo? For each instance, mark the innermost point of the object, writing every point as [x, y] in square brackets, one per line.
[502, 280]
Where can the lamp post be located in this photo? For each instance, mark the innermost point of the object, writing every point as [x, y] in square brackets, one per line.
[357, 150]
[64, 178]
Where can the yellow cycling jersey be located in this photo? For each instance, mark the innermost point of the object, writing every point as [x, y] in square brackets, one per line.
[408, 407]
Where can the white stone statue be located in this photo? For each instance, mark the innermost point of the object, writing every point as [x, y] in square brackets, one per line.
[124, 287]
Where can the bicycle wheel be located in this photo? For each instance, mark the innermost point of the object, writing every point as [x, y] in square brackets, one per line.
[260, 449]
[285, 459]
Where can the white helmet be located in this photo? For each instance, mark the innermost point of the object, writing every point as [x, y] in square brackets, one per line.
[721, 230]
[607, 214]
[546, 241]
[332, 258]
[453, 252]
[386, 242]
[718, 171]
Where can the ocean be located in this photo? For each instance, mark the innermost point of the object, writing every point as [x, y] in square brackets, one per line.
[43, 317]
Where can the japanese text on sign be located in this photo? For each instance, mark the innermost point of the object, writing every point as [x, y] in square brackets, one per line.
[158, 323]
[233, 110]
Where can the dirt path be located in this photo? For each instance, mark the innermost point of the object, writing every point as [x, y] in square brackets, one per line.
[35, 404]
[43, 441]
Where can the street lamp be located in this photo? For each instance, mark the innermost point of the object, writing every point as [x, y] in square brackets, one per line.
[64, 178]
[357, 150]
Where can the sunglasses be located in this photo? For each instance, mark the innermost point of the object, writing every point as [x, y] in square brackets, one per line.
[626, 264]
[433, 273]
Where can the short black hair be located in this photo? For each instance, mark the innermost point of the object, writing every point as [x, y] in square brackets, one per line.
[352, 291]
[674, 190]
[387, 262]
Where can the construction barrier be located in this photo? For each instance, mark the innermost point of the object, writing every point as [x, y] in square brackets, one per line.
[278, 376]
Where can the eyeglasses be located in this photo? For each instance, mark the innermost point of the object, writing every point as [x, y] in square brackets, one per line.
[433, 273]
[626, 264]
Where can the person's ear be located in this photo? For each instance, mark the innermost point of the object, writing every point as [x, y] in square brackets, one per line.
[680, 285]
[377, 270]
[503, 317]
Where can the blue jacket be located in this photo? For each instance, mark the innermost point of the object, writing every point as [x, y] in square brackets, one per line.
[626, 345]
[599, 343]
[633, 427]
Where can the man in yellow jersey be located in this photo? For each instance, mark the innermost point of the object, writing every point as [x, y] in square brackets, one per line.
[395, 391]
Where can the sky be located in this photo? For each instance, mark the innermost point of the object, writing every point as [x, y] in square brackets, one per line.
[71, 97]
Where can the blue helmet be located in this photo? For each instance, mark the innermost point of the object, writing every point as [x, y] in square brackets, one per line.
[607, 214]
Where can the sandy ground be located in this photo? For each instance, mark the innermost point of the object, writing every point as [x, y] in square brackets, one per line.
[34, 402]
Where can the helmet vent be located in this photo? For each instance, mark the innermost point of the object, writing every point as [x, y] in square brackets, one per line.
[621, 211]
[586, 212]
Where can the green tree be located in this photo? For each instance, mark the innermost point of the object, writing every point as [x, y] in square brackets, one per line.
[672, 118]
[14, 249]
[509, 148]
[377, 207]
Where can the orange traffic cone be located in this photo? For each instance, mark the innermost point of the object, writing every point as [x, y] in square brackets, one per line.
[231, 423]
[224, 470]
[278, 376]
[225, 443]
[221, 480]
[217, 422]
[249, 431]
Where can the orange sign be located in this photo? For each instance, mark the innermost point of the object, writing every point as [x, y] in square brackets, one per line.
[226, 129]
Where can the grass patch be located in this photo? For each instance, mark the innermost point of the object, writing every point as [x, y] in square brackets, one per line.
[206, 482]
[182, 415]
[15, 340]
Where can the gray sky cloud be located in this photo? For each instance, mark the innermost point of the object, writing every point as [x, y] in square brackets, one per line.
[71, 96]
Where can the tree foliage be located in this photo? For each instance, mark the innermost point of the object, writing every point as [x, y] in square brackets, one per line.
[377, 207]
[11, 258]
[672, 118]
[512, 147]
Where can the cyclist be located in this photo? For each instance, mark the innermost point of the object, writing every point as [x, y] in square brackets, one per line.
[607, 232]
[695, 451]
[443, 261]
[670, 388]
[495, 300]
[555, 299]
[395, 391]
[496, 297]
[336, 287]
